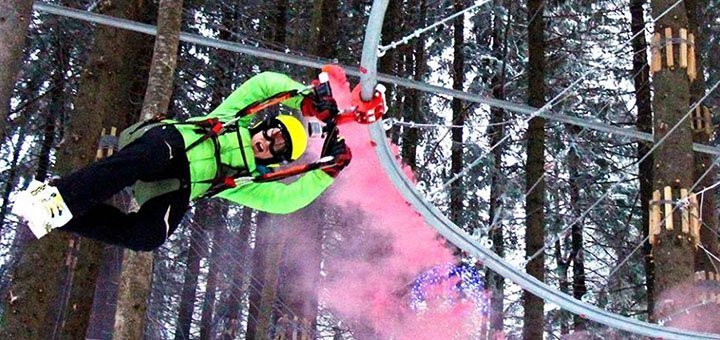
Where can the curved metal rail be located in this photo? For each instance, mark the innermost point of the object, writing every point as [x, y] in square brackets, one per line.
[368, 61]
[461, 239]
[454, 234]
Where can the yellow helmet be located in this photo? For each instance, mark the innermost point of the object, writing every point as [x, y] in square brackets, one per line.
[295, 134]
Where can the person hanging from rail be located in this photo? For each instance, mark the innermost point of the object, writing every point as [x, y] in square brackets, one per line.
[170, 163]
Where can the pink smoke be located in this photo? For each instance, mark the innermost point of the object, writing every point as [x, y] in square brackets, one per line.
[692, 306]
[372, 290]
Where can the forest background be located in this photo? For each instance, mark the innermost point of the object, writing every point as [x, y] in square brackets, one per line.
[568, 202]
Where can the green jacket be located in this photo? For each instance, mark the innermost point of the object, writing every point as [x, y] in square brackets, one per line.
[272, 197]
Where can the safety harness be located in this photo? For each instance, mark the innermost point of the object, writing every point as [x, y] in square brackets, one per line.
[226, 177]
[213, 128]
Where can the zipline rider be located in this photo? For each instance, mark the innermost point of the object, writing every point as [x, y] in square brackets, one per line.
[170, 163]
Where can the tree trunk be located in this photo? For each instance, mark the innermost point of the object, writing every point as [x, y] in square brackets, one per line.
[23, 235]
[577, 251]
[131, 308]
[496, 132]
[300, 275]
[411, 137]
[195, 253]
[535, 184]
[135, 279]
[83, 264]
[703, 162]
[77, 302]
[644, 124]
[674, 255]
[457, 196]
[278, 20]
[324, 25]
[12, 176]
[563, 284]
[35, 289]
[393, 24]
[162, 69]
[75, 305]
[269, 272]
[705, 259]
[237, 276]
[59, 100]
[40, 274]
[15, 17]
[273, 27]
[219, 253]
[262, 240]
[102, 317]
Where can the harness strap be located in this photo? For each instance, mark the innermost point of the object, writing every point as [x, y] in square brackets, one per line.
[224, 179]
[242, 149]
[213, 127]
[262, 104]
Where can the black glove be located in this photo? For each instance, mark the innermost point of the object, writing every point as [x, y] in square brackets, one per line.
[320, 104]
[340, 152]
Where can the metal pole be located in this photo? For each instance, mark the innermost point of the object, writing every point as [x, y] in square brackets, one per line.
[368, 61]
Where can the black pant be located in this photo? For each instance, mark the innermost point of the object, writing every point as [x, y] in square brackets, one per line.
[158, 154]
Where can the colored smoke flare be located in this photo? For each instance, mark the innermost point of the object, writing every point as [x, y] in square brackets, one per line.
[388, 246]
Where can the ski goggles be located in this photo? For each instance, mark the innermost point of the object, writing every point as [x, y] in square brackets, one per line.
[279, 142]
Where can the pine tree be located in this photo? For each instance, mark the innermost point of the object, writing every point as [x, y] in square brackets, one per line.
[705, 171]
[40, 274]
[643, 123]
[673, 253]
[496, 133]
[457, 196]
[534, 167]
[136, 277]
[16, 15]
[195, 252]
